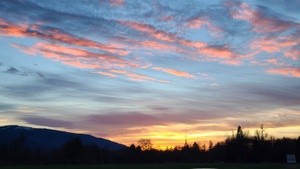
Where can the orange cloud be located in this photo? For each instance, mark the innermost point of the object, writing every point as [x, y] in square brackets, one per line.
[10, 29]
[175, 72]
[290, 71]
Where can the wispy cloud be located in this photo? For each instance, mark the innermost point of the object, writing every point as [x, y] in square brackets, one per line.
[117, 2]
[286, 71]
[49, 122]
[260, 21]
[54, 34]
[76, 57]
[151, 31]
[273, 45]
[135, 76]
[175, 72]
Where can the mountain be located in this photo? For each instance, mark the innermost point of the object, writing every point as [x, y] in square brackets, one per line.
[46, 139]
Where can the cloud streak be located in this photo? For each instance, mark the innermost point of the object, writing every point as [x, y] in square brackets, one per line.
[76, 57]
[175, 72]
[54, 34]
[261, 22]
[287, 71]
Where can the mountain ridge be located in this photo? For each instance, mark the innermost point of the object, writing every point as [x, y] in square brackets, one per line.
[47, 139]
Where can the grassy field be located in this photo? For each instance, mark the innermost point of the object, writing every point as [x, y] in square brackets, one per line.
[159, 166]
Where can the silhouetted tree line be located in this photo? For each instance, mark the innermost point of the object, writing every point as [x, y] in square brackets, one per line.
[240, 147]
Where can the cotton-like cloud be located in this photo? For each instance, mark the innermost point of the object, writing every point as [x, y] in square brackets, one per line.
[175, 72]
[288, 71]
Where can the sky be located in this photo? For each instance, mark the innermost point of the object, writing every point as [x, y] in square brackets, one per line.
[162, 70]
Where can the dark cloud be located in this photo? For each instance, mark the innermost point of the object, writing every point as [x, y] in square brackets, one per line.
[158, 108]
[12, 70]
[41, 87]
[17, 10]
[43, 121]
[121, 119]
[272, 95]
[5, 106]
[287, 5]
[40, 74]
[136, 119]
[24, 72]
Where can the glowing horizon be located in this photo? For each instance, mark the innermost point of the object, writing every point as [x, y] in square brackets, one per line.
[163, 70]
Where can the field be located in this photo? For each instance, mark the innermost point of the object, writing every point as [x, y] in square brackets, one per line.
[160, 166]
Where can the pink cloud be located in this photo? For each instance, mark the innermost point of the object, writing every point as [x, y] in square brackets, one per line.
[156, 45]
[8, 29]
[260, 23]
[266, 62]
[76, 57]
[289, 71]
[272, 61]
[271, 45]
[196, 23]
[107, 74]
[180, 45]
[200, 22]
[34, 31]
[135, 76]
[197, 45]
[162, 35]
[151, 31]
[128, 119]
[293, 54]
[218, 52]
[117, 2]
[175, 72]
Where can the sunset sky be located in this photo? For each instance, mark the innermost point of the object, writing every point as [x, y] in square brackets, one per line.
[165, 70]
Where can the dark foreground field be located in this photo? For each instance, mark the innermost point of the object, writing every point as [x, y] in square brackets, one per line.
[159, 166]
